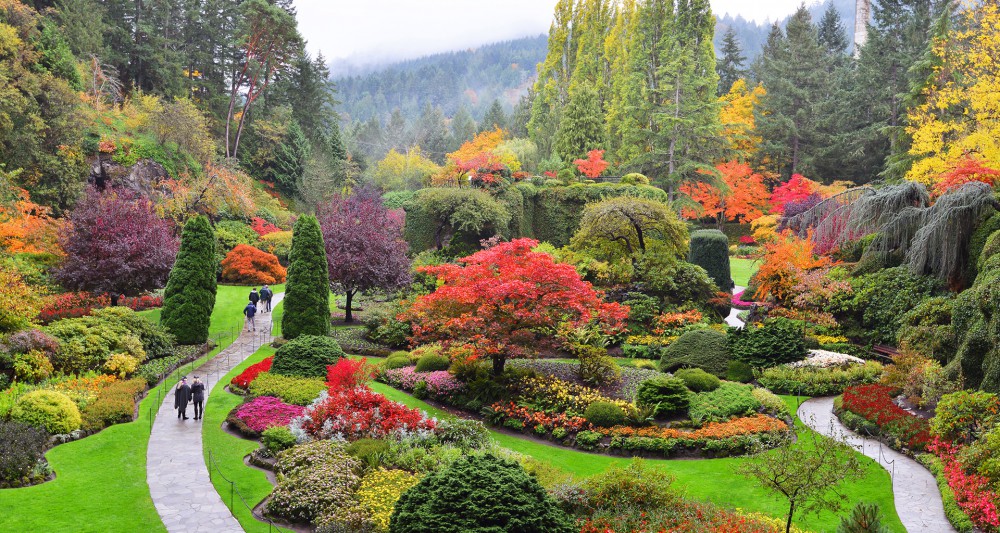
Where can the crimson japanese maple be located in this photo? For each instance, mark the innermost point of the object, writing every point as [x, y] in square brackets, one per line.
[505, 299]
[593, 165]
[796, 189]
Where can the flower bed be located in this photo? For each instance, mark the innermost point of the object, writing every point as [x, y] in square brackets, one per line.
[359, 413]
[738, 301]
[77, 304]
[440, 384]
[972, 492]
[624, 389]
[682, 515]
[879, 415]
[246, 377]
[267, 411]
[818, 380]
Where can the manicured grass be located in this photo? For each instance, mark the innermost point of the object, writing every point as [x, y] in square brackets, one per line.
[101, 480]
[742, 269]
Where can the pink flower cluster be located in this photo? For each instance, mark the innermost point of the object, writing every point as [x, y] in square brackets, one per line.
[739, 303]
[267, 411]
[361, 413]
[972, 491]
[440, 383]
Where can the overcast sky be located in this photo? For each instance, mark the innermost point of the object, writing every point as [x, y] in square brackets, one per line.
[396, 29]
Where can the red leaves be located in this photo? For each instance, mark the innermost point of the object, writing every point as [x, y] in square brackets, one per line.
[362, 413]
[263, 227]
[967, 170]
[246, 377]
[973, 492]
[796, 189]
[77, 304]
[348, 374]
[874, 403]
[593, 165]
[248, 265]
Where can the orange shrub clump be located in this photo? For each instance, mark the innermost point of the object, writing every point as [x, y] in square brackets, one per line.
[784, 262]
[250, 266]
[715, 430]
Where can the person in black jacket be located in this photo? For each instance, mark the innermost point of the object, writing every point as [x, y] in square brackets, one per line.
[198, 397]
[254, 296]
[265, 298]
[182, 395]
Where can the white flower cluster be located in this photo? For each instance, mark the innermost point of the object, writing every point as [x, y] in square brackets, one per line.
[826, 359]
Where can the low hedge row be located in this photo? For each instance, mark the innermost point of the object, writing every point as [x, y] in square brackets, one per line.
[812, 381]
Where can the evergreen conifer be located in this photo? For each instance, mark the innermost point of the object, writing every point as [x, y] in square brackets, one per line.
[307, 291]
[190, 295]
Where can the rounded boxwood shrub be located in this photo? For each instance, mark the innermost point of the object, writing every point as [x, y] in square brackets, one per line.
[50, 410]
[710, 250]
[604, 414]
[634, 178]
[433, 362]
[307, 356]
[777, 341]
[739, 371]
[665, 395]
[698, 380]
[396, 360]
[277, 439]
[478, 494]
[703, 348]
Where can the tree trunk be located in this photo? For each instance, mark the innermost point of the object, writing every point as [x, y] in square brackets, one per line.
[788, 523]
[348, 317]
[114, 298]
[498, 363]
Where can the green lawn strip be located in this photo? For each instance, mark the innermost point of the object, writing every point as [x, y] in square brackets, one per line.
[742, 269]
[707, 479]
[101, 480]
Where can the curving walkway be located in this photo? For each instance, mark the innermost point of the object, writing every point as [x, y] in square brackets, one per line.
[918, 500]
[175, 464]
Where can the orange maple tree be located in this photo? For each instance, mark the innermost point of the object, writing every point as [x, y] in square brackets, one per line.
[745, 201]
[785, 259]
[248, 265]
[27, 227]
[967, 170]
[593, 165]
[480, 152]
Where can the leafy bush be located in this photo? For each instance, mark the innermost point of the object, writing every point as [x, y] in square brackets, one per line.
[49, 410]
[674, 282]
[665, 395]
[465, 434]
[306, 355]
[927, 328]
[739, 371]
[87, 343]
[190, 293]
[433, 362]
[246, 265]
[817, 381]
[703, 348]
[604, 414]
[596, 366]
[156, 340]
[478, 494]
[278, 243]
[368, 451]
[384, 328]
[710, 250]
[644, 364]
[729, 400]
[315, 481]
[231, 233]
[152, 371]
[396, 360]
[291, 389]
[875, 307]
[23, 446]
[965, 415]
[776, 341]
[633, 485]
[115, 404]
[634, 178]
[277, 439]
[698, 380]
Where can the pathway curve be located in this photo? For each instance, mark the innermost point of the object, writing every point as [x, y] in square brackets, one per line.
[918, 500]
[734, 320]
[175, 465]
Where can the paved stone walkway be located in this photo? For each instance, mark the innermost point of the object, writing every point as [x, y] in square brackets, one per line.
[918, 500]
[732, 319]
[175, 466]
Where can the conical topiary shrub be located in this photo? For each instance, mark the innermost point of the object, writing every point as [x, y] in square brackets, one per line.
[190, 295]
[307, 291]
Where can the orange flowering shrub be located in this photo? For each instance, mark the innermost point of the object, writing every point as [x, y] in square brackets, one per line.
[714, 430]
[26, 227]
[673, 323]
[783, 264]
[249, 266]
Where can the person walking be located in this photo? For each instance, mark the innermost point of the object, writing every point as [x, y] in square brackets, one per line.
[198, 398]
[249, 311]
[254, 296]
[182, 395]
[265, 298]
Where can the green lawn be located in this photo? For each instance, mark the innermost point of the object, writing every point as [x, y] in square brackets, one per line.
[101, 480]
[742, 269]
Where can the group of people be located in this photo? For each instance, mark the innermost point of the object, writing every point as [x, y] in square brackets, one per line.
[263, 298]
[193, 393]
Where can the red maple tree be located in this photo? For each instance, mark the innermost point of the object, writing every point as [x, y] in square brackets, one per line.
[796, 189]
[503, 299]
[746, 200]
[593, 165]
[967, 170]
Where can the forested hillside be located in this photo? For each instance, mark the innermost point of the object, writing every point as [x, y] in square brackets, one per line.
[753, 35]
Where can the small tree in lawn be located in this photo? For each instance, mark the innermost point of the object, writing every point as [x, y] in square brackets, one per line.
[808, 474]
[307, 291]
[365, 250]
[504, 299]
[190, 295]
[116, 244]
[593, 165]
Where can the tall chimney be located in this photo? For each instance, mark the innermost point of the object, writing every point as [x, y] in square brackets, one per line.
[862, 13]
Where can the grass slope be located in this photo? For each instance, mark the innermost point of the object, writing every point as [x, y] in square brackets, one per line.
[742, 269]
[101, 480]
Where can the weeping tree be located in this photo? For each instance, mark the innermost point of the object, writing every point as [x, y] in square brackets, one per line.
[631, 225]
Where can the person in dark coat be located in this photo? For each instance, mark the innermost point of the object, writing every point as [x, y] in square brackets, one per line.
[265, 298]
[250, 311]
[198, 397]
[182, 395]
[254, 296]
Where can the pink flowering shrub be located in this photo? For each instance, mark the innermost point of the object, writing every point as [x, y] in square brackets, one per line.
[440, 383]
[739, 302]
[360, 413]
[972, 491]
[267, 411]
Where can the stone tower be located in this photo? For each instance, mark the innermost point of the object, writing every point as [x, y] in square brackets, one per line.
[862, 13]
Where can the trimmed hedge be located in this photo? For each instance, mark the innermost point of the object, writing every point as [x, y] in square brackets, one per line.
[190, 294]
[667, 396]
[307, 291]
[306, 356]
[47, 409]
[698, 380]
[604, 414]
[710, 250]
[702, 348]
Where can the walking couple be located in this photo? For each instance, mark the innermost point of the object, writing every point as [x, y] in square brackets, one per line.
[193, 393]
[263, 298]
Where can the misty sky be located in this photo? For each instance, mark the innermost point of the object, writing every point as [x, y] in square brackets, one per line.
[395, 29]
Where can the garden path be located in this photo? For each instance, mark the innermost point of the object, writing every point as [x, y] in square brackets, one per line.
[732, 319]
[918, 500]
[175, 464]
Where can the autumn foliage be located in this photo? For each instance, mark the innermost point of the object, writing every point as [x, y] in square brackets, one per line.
[250, 266]
[502, 300]
[480, 152]
[967, 170]
[26, 227]
[593, 165]
[785, 259]
[263, 227]
[796, 189]
[745, 201]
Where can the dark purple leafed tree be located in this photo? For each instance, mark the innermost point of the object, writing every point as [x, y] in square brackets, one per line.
[116, 244]
[365, 250]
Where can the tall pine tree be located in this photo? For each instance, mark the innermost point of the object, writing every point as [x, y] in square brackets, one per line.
[730, 65]
[190, 294]
[307, 291]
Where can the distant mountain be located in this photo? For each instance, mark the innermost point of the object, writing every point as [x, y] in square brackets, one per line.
[753, 35]
[473, 78]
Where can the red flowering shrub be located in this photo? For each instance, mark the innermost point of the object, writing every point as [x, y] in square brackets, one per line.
[246, 377]
[875, 404]
[532, 418]
[267, 411]
[77, 304]
[748, 240]
[973, 492]
[347, 374]
[247, 265]
[681, 516]
[362, 413]
[263, 227]
[674, 323]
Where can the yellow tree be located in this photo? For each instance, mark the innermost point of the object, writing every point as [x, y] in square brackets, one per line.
[398, 171]
[736, 115]
[959, 118]
[480, 152]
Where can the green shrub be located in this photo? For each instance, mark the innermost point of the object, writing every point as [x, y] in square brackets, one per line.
[478, 494]
[115, 404]
[432, 362]
[674, 282]
[190, 294]
[771, 403]
[307, 291]
[396, 360]
[775, 342]
[698, 380]
[588, 439]
[383, 327]
[875, 307]
[739, 371]
[729, 400]
[815, 381]
[291, 389]
[665, 395]
[368, 451]
[596, 366]
[604, 414]
[230, 233]
[465, 434]
[307, 356]
[23, 446]
[710, 250]
[864, 518]
[277, 439]
[152, 371]
[315, 480]
[644, 364]
[965, 415]
[703, 348]
[635, 485]
[634, 178]
[927, 328]
[47, 409]
[639, 351]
